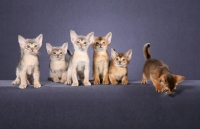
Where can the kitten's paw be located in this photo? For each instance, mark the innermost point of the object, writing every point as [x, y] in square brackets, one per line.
[56, 80]
[158, 89]
[87, 83]
[68, 82]
[37, 85]
[96, 82]
[16, 81]
[143, 81]
[62, 81]
[75, 84]
[114, 82]
[22, 86]
[105, 82]
[125, 82]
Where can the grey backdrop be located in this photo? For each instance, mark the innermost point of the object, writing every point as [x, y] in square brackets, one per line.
[171, 26]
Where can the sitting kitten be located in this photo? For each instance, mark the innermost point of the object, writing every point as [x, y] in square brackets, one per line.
[58, 62]
[159, 73]
[101, 59]
[29, 63]
[79, 62]
[118, 70]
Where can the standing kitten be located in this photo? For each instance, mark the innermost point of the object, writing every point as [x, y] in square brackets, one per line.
[28, 66]
[118, 70]
[58, 62]
[79, 62]
[101, 59]
[159, 73]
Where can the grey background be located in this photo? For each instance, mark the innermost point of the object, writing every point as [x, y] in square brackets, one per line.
[171, 26]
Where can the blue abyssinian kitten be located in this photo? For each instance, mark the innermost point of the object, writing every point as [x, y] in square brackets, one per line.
[79, 63]
[58, 62]
[28, 66]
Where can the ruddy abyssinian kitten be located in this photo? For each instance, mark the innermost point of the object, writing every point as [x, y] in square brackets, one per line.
[79, 63]
[118, 70]
[159, 73]
[58, 62]
[101, 59]
[28, 66]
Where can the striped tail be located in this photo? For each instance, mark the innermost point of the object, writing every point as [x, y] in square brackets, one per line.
[146, 51]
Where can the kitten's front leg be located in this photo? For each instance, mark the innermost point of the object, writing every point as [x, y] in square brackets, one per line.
[54, 76]
[23, 79]
[112, 79]
[74, 77]
[105, 75]
[36, 76]
[17, 79]
[157, 85]
[124, 80]
[86, 74]
[96, 76]
[64, 77]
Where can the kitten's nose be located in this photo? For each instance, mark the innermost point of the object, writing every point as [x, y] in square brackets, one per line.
[57, 55]
[32, 49]
[120, 62]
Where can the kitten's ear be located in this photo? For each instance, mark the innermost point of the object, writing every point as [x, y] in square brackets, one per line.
[163, 79]
[178, 78]
[109, 37]
[39, 39]
[128, 54]
[73, 35]
[113, 53]
[65, 47]
[90, 37]
[21, 41]
[49, 48]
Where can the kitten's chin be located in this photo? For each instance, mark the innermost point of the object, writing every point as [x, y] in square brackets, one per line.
[121, 66]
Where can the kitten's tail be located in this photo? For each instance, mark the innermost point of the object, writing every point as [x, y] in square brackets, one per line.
[69, 53]
[146, 51]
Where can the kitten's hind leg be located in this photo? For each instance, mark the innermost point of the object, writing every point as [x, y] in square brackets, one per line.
[17, 79]
[144, 79]
[112, 79]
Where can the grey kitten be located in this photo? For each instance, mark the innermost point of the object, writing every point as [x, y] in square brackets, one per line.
[58, 62]
[79, 63]
[28, 66]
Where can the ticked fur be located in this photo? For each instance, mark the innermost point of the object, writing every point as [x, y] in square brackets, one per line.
[159, 73]
[79, 63]
[58, 62]
[118, 70]
[101, 59]
[28, 66]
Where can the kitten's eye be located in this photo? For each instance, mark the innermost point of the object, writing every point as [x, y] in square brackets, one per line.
[60, 52]
[54, 53]
[84, 42]
[123, 60]
[117, 59]
[35, 46]
[28, 46]
[97, 42]
[103, 42]
[77, 41]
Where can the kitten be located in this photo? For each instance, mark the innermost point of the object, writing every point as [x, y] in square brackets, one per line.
[58, 62]
[159, 73]
[118, 70]
[28, 66]
[101, 59]
[79, 62]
